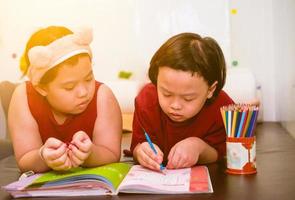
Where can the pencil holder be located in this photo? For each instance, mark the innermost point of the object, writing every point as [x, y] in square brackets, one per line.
[241, 155]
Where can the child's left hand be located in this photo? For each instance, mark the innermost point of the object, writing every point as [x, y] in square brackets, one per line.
[184, 153]
[80, 148]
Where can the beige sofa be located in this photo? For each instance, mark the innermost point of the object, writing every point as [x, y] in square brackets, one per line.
[6, 90]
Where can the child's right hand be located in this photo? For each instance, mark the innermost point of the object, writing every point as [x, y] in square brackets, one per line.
[146, 157]
[54, 154]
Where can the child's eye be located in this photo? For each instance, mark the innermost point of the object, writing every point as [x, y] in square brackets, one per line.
[88, 79]
[69, 88]
[167, 95]
[188, 99]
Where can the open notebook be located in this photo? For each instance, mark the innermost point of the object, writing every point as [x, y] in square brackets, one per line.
[110, 180]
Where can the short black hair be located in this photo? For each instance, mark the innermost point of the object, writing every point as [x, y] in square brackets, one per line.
[192, 53]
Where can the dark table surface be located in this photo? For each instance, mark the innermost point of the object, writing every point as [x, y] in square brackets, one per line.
[275, 178]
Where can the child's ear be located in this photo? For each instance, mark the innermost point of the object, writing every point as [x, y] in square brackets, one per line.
[41, 90]
[211, 90]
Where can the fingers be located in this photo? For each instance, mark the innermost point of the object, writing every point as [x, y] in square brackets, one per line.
[60, 156]
[76, 155]
[61, 163]
[83, 146]
[160, 154]
[63, 167]
[53, 149]
[80, 135]
[78, 152]
[79, 148]
[54, 154]
[82, 141]
[53, 143]
[171, 159]
[148, 158]
[178, 159]
[74, 160]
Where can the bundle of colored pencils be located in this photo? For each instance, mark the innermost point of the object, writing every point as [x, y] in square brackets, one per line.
[239, 119]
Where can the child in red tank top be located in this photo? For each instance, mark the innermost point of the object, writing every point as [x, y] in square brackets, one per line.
[62, 118]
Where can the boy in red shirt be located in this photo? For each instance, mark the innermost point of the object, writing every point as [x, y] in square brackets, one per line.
[180, 109]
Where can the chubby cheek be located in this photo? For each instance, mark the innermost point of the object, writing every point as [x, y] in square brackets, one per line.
[62, 102]
[197, 106]
[191, 110]
[164, 104]
[67, 102]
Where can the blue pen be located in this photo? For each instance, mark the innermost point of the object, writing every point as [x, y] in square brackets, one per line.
[152, 147]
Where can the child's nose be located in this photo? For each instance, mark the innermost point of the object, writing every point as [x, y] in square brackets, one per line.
[175, 105]
[82, 91]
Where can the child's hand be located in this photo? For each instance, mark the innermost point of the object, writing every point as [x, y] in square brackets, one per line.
[79, 148]
[147, 158]
[184, 153]
[54, 154]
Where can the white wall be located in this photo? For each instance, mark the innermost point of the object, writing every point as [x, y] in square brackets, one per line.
[252, 46]
[284, 55]
[127, 33]
[263, 39]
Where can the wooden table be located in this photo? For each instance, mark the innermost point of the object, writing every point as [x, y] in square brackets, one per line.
[275, 178]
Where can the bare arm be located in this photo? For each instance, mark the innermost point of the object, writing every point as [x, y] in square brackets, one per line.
[107, 132]
[207, 153]
[24, 133]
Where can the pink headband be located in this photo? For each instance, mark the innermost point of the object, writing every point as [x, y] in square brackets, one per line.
[44, 58]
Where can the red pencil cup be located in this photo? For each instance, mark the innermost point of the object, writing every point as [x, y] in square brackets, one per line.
[241, 155]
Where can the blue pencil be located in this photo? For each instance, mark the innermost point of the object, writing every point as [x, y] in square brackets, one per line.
[241, 123]
[152, 147]
[251, 130]
[239, 115]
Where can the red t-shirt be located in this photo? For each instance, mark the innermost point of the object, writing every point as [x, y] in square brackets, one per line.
[48, 127]
[164, 132]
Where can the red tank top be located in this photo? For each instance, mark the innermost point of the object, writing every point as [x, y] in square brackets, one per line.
[48, 127]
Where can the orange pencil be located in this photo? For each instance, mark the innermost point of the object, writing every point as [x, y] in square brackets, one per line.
[222, 111]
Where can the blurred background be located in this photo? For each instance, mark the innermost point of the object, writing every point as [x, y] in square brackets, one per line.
[256, 36]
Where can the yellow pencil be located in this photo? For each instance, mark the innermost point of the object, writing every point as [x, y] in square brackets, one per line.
[250, 112]
[234, 123]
